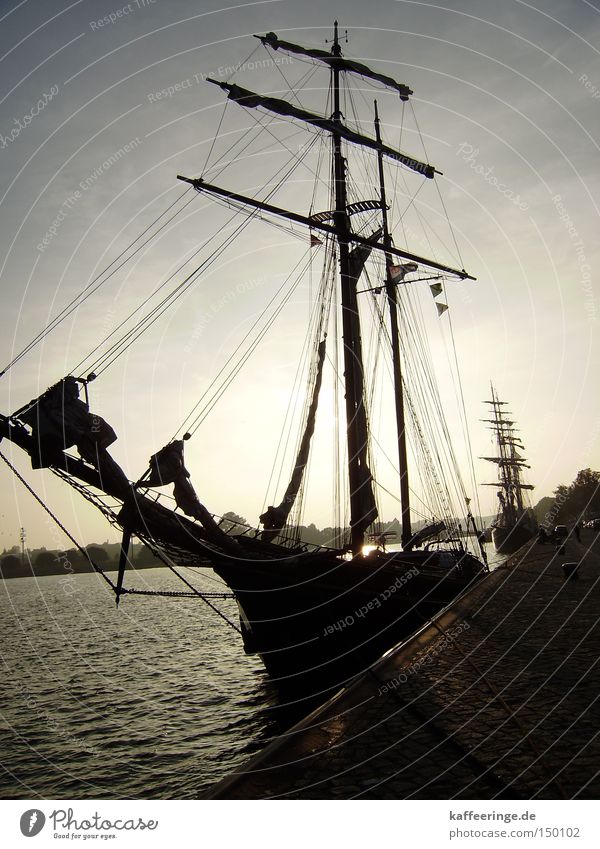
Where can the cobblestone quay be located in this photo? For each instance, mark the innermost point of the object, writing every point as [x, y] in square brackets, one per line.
[497, 698]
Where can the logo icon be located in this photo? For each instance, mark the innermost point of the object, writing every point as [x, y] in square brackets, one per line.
[32, 822]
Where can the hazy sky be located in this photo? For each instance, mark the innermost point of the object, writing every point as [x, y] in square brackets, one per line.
[508, 101]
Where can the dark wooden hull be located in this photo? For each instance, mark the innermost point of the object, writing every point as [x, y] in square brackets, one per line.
[318, 624]
[508, 539]
[316, 618]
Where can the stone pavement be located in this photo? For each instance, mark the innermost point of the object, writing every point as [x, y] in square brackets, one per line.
[498, 698]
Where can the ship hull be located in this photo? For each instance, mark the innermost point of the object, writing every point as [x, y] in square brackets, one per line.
[508, 539]
[317, 625]
[316, 618]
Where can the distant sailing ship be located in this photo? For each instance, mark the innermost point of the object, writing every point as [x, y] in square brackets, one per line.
[317, 615]
[515, 522]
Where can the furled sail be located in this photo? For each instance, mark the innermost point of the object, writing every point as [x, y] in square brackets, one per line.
[252, 100]
[515, 485]
[424, 534]
[398, 272]
[274, 518]
[507, 461]
[358, 256]
[336, 62]
[59, 419]
[168, 466]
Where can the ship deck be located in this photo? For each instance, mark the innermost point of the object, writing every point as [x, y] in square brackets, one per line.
[496, 698]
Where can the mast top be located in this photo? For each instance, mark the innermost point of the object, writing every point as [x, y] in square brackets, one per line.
[336, 49]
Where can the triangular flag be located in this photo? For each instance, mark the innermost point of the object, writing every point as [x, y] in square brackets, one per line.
[436, 289]
[441, 308]
[399, 272]
[314, 241]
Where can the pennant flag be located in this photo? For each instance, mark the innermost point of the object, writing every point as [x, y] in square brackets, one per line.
[314, 241]
[436, 289]
[441, 308]
[399, 272]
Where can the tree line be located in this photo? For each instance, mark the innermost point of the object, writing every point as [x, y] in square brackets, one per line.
[41, 562]
[578, 502]
[569, 504]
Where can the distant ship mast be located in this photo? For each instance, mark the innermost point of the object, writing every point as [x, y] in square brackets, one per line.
[512, 511]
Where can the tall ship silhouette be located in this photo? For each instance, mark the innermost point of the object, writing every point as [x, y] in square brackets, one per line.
[515, 521]
[317, 614]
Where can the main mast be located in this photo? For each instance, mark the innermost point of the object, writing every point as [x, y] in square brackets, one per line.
[392, 300]
[336, 222]
[353, 366]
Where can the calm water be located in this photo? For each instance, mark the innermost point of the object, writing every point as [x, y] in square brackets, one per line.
[494, 559]
[154, 700]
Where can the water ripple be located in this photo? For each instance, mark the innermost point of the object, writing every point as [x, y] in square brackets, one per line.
[154, 700]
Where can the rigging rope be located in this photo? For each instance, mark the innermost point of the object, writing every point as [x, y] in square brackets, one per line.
[191, 422]
[59, 523]
[435, 486]
[76, 302]
[436, 435]
[215, 137]
[203, 596]
[426, 464]
[107, 359]
[133, 334]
